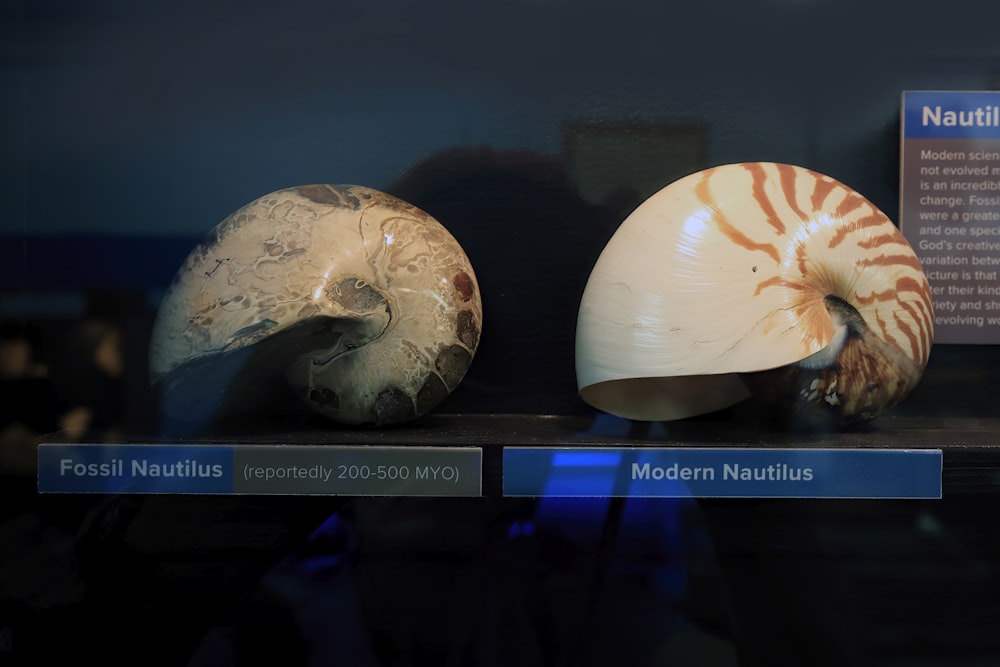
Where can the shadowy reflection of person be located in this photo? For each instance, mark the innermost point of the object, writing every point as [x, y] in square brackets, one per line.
[41, 589]
[90, 372]
[532, 240]
[30, 405]
[493, 581]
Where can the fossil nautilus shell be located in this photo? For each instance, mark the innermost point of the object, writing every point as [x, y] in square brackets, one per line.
[365, 305]
[747, 278]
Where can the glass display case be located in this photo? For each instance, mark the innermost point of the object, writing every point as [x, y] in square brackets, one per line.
[513, 523]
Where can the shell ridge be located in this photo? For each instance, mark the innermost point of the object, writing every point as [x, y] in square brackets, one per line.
[371, 255]
[882, 240]
[770, 282]
[758, 180]
[858, 226]
[803, 259]
[788, 177]
[742, 240]
[922, 343]
[903, 326]
[915, 348]
[852, 202]
[886, 295]
[883, 260]
[823, 187]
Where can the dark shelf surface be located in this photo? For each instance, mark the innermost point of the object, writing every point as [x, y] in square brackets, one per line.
[970, 446]
[573, 430]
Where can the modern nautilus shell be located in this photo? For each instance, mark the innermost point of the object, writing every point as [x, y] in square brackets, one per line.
[755, 278]
[365, 305]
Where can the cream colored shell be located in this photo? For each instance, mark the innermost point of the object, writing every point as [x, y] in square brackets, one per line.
[744, 268]
[365, 304]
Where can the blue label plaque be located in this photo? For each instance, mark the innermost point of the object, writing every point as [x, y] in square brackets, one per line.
[261, 469]
[134, 469]
[722, 473]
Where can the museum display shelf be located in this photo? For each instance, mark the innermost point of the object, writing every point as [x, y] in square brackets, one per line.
[952, 411]
[970, 446]
[777, 579]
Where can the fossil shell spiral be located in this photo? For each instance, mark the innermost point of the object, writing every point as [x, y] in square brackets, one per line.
[366, 305]
[747, 275]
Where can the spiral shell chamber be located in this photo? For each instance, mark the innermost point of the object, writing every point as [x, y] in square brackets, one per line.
[365, 305]
[727, 272]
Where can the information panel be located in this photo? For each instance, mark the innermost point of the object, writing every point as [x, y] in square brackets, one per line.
[950, 207]
[333, 470]
[722, 473]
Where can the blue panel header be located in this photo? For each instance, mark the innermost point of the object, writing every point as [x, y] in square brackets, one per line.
[949, 115]
[722, 473]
